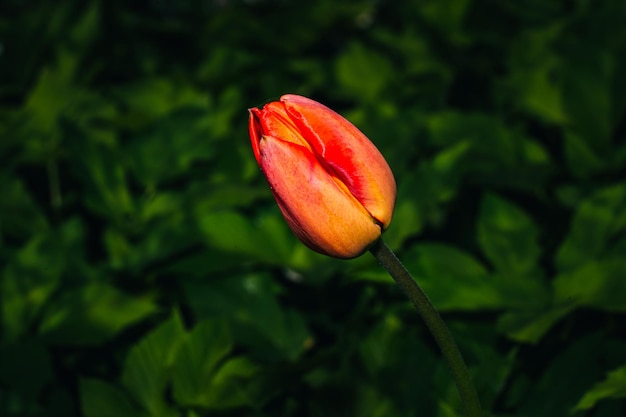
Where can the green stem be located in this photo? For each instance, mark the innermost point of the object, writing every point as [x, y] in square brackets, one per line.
[435, 324]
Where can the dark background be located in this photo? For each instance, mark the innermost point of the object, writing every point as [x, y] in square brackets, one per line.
[145, 269]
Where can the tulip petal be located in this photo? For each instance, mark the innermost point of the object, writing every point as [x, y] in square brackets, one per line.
[320, 210]
[273, 118]
[347, 152]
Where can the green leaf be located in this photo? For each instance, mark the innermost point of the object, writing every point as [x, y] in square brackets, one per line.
[163, 230]
[153, 98]
[86, 27]
[210, 198]
[613, 386]
[32, 276]
[565, 378]
[92, 314]
[105, 177]
[597, 221]
[586, 81]
[197, 361]
[19, 214]
[148, 366]
[397, 359]
[528, 325]
[598, 284]
[234, 385]
[259, 322]
[447, 16]
[518, 160]
[491, 365]
[52, 95]
[508, 236]
[363, 72]
[407, 214]
[424, 191]
[265, 239]
[101, 399]
[170, 146]
[453, 279]
[532, 68]
[23, 296]
[582, 159]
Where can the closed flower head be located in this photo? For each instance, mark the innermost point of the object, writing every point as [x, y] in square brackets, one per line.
[332, 185]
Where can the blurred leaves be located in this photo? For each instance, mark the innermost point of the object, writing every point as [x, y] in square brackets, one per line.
[33, 276]
[249, 302]
[362, 72]
[148, 366]
[598, 223]
[194, 364]
[91, 314]
[614, 386]
[100, 399]
[146, 271]
[508, 237]
[565, 382]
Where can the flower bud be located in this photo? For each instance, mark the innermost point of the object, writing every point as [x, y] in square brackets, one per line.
[332, 185]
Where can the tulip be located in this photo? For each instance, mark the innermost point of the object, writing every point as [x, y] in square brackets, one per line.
[332, 185]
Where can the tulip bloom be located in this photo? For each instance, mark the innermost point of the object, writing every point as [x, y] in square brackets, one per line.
[332, 185]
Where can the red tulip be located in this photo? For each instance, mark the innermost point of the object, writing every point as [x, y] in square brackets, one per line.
[332, 185]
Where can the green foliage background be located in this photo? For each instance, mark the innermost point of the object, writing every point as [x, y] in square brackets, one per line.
[146, 271]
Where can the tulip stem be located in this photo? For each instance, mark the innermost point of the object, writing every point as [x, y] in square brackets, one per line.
[435, 324]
